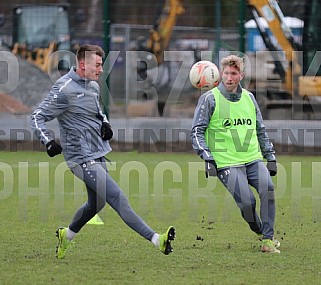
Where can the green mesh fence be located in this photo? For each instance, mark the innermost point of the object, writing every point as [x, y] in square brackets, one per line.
[204, 30]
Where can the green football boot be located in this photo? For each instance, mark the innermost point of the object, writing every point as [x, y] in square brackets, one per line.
[277, 244]
[165, 241]
[268, 246]
[63, 242]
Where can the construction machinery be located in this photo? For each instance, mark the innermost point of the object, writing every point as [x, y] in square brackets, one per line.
[298, 66]
[161, 32]
[156, 43]
[295, 90]
[39, 31]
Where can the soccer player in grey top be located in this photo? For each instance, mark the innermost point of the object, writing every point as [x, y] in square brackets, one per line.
[84, 136]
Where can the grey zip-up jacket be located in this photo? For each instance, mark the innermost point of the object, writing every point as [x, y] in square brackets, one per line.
[202, 116]
[74, 101]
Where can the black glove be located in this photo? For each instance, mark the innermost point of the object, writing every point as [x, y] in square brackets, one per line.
[53, 148]
[272, 168]
[210, 168]
[106, 131]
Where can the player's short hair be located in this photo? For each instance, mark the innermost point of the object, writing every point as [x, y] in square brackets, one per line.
[88, 49]
[233, 60]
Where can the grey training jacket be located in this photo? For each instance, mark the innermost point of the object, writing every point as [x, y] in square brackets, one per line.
[74, 101]
[202, 116]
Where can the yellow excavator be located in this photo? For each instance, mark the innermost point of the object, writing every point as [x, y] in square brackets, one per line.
[299, 68]
[40, 30]
[161, 32]
[156, 43]
[298, 97]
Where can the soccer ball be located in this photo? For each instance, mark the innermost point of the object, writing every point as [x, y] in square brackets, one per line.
[204, 74]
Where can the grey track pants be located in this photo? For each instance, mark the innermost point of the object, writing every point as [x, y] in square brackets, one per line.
[238, 180]
[101, 188]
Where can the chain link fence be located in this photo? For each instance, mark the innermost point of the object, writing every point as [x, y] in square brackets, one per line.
[188, 45]
[206, 30]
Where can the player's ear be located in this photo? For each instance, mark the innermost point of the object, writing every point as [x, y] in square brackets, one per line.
[81, 64]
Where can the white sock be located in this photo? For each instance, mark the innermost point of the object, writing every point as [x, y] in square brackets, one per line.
[70, 234]
[155, 239]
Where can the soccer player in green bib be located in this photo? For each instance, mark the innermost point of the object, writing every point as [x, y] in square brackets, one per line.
[229, 135]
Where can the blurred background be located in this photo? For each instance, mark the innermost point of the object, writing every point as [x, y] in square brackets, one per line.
[278, 40]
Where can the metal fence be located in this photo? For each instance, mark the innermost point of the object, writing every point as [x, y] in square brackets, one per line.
[173, 89]
[207, 30]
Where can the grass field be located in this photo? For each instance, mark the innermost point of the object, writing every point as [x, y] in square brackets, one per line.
[213, 245]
